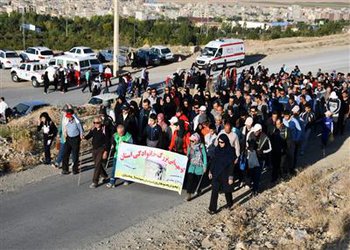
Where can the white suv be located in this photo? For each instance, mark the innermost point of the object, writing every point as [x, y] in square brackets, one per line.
[81, 51]
[31, 71]
[163, 52]
[8, 59]
[41, 54]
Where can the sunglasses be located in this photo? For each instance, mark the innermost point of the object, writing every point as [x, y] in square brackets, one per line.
[97, 122]
[221, 142]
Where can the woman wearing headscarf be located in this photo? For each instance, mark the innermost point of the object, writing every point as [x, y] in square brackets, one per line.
[180, 138]
[221, 172]
[165, 139]
[197, 164]
[49, 133]
[169, 107]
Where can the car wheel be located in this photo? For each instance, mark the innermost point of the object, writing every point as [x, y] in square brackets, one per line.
[15, 77]
[35, 82]
[238, 64]
[1, 66]
[214, 67]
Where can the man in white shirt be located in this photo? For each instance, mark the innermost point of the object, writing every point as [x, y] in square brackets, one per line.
[234, 140]
[3, 107]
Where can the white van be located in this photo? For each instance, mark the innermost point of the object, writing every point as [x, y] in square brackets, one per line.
[215, 53]
[81, 64]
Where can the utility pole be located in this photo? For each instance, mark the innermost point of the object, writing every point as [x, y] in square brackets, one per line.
[23, 30]
[116, 39]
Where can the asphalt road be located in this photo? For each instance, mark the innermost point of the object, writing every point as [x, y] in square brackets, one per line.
[328, 59]
[56, 213]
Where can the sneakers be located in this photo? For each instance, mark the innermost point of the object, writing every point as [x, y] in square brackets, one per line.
[188, 198]
[93, 185]
[110, 185]
[65, 172]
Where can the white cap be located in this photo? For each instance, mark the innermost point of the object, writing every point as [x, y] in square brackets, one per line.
[305, 81]
[173, 120]
[257, 127]
[248, 121]
[202, 108]
[333, 95]
[295, 109]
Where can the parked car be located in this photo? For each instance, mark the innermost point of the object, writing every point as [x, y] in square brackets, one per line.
[106, 55]
[31, 71]
[40, 54]
[145, 57]
[9, 59]
[80, 63]
[163, 52]
[81, 52]
[99, 99]
[24, 108]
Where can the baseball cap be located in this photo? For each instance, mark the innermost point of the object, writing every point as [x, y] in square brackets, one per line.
[248, 121]
[69, 113]
[257, 127]
[173, 120]
[295, 109]
[203, 108]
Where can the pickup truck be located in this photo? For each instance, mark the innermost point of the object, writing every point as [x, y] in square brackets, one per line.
[31, 71]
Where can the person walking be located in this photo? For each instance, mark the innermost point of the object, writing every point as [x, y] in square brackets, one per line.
[3, 109]
[197, 164]
[221, 172]
[73, 135]
[49, 133]
[46, 81]
[153, 132]
[259, 145]
[87, 80]
[108, 75]
[120, 136]
[100, 147]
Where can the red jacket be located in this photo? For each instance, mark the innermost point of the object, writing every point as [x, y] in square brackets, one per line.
[186, 142]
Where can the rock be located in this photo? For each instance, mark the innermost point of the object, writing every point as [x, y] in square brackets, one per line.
[299, 235]
[207, 243]
[269, 245]
[240, 246]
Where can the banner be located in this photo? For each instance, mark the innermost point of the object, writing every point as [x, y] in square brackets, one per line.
[151, 166]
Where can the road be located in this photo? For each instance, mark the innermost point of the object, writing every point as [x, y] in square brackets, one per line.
[56, 213]
[328, 59]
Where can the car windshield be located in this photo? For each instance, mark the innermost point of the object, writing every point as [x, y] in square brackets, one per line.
[86, 51]
[94, 61]
[11, 55]
[21, 108]
[95, 101]
[207, 51]
[47, 53]
[165, 51]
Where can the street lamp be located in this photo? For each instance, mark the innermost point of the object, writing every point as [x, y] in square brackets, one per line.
[116, 38]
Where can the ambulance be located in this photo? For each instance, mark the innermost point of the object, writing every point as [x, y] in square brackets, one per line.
[216, 52]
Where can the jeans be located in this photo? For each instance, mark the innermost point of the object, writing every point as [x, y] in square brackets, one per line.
[60, 154]
[112, 180]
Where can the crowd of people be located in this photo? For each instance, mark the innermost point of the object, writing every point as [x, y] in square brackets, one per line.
[230, 128]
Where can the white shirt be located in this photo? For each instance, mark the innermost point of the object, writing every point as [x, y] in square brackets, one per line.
[3, 107]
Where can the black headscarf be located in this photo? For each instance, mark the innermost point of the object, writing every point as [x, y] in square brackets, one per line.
[223, 157]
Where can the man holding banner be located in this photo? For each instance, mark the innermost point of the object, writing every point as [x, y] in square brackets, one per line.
[120, 136]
